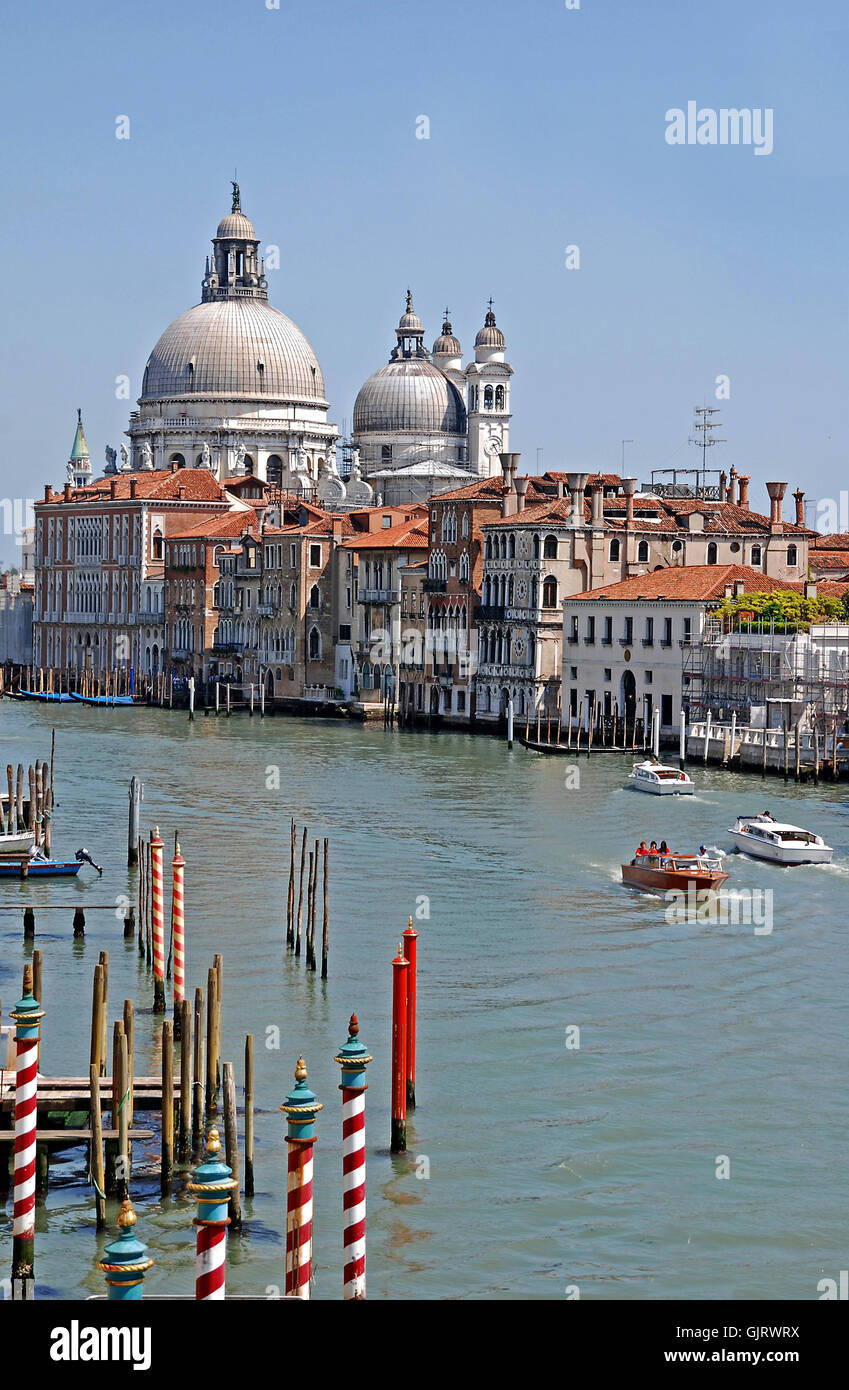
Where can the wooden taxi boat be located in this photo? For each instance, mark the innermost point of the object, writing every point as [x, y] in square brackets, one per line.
[662, 872]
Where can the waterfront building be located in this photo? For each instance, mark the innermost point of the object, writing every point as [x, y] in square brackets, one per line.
[192, 590]
[379, 555]
[600, 530]
[100, 559]
[412, 672]
[16, 613]
[232, 385]
[626, 645]
[422, 422]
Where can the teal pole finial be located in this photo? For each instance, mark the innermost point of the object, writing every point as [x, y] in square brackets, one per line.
[211, 1185]
[353, 1058]
[124, 1262]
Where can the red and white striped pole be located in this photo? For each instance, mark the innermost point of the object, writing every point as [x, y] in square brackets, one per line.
[400, 971]
[410, 942]
[27, 1016]
[211, 1185]
[178, 864]
[301, 1107]
[353, 1060]
[158, 920]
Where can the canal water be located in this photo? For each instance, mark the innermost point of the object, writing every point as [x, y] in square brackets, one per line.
[587, 1069]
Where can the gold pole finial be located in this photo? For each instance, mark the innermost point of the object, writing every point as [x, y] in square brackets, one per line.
[354, 1026]
[213, 1143]
[301, 1070]
[126, 1216]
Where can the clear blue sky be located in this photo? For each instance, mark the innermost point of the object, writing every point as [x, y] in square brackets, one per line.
[547, 129]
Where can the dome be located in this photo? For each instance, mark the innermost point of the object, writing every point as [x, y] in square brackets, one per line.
[409, 394]
[234, 348]
[446, 343]
[235, 224]
[410, 325]
[489, 336]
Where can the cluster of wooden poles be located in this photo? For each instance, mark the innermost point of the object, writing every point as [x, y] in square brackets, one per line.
[613, 730]
[309, 860]
[32, 814]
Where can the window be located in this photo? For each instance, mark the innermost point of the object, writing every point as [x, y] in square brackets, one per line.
[461, 701]
[314, 644]
[315, 556]
[756, 555]
[573, 702]
[156, 545]
[549, 593]
[344, 632]
[666, 710]
[643, 553]
[687, 629]
[628, 633]
[666, 640]
[386, 457]
[648, 677]
[590, 637]
[607, 639]
[487, 398]
[791, 555]
[711, 553]
[499, 398]
[315, 601]
[613, 551]
[573, 628]
[549, 548]
[608, 673]
[573, 673]
[648, 640]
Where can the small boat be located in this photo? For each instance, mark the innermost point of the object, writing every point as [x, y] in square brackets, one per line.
[653, 777]
[662, 872]
[21, 867]
[51, 696]
[17, 844]
[765, 838]
[103, 699]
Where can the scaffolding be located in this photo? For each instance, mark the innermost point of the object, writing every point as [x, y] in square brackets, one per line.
[735, 668]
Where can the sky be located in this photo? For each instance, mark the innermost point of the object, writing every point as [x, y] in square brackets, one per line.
[547, 129]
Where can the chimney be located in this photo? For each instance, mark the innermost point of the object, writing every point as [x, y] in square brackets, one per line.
[113, 484]
[729, 591]
[577, 483]
[181, 492]
[521, 489]
[598, 504]
[739, 587]
[629, 487]
[559, 488]
[134, 486]
[66, 491]
[744, 481]
[810, 590]
[48, 492]
[732, 486]
[776, 496]
[799, 499]
[336, 528]
[723, 486]
[174, 465]
[509, 464]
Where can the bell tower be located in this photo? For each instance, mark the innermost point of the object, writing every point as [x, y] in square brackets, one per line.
[488, 386]
[79, 464]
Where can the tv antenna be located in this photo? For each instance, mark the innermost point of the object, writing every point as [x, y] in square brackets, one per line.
[703, 424]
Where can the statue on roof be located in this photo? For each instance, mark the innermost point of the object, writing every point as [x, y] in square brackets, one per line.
[125, 459]
[237, 206]
[146, 456]
[111, 460]
[205, 455]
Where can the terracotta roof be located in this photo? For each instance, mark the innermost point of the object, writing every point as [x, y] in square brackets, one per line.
[231, 524]
[408, 534]
[829, 559]
[198, 485]
[838, 541]
[683, 584]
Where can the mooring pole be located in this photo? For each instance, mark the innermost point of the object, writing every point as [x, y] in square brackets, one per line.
[27, 1016]
[125, 1263]
[211, 1184]
[133, 830]
[398, 1132]
[353, 1059]
[301, 1108]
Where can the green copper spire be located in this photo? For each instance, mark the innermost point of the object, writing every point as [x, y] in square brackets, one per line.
[80, 449]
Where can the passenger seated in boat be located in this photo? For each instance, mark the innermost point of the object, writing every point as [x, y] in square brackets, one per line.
[653, 847]
[664, 848]
[641, 849]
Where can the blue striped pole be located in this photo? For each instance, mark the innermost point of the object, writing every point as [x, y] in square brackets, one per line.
[125, 1264]
[211, 1185]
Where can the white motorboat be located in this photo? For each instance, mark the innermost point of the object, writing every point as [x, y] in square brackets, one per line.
[765, 838]
[653, 777]
[16, 844]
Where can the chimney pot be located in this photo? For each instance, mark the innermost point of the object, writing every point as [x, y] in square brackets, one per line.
[67, 492]
[48, 492]
[810, 589]
[629, 487]
[744, 481]
[739, 586]
[799, 499]
[776, 496]
[521, 489]
[133, 486]
[113, 483]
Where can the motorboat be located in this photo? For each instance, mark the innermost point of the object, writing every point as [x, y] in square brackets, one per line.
[22, 867]
[654, 777]
[18, 843]
[680, 872]
[766, 838]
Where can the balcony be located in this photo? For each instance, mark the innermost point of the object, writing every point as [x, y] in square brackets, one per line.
[648, 641]
[573, 639]
[626, 641]
[234, 648]
[379, 595]
[265, 610]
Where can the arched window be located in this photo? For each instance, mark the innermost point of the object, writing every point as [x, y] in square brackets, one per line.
[274, 470]
[487, 398]
[536, 547]
[791, 555]
[643, 553]
[614, 549]
[511, 547]
[487, 549]
[549, 548]
[157, 545]
[314, 597]
[549, 592]
[499, 398]
[177, 459]
[292, 595]
[711, 553]
[315, 644]
[366, 676]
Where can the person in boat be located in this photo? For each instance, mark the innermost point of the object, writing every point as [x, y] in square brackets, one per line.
[641, 849]
[664, 848]
[765, 815]
[653, 847]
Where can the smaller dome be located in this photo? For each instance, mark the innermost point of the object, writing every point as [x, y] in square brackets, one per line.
[446, 343]
[489, 336]
[236, 225]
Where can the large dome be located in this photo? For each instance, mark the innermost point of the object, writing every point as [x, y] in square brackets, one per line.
[409, 394]
[234, 348]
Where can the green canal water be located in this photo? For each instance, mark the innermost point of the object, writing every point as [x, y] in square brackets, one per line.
[534, 1167]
